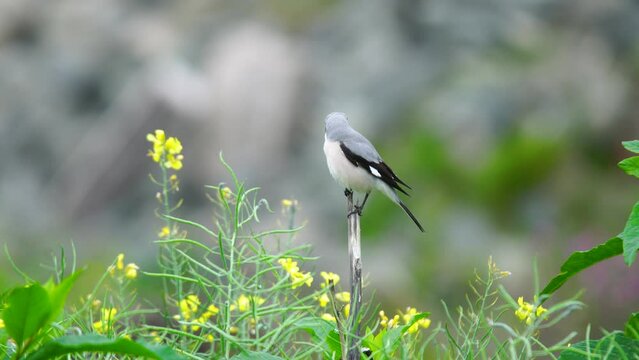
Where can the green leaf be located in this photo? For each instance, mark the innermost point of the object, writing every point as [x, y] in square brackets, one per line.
[630, 166]
[374, 342]
[613, 346]
[28, 310]
[630, 236]
[390, 341]
[581, 260]
[632, 326]
[323, 332]
[632, 146]
[256, 356]
[415, 319]
[96, 343]
[58, 293]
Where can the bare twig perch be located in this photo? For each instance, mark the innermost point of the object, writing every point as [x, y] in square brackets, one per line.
[355, 255]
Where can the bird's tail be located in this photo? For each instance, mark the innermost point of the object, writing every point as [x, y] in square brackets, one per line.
[388, 191]
[405, 208]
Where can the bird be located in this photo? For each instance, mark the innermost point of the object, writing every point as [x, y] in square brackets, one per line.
[355, 164]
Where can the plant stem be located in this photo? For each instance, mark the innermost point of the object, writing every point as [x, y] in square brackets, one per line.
[355, 256]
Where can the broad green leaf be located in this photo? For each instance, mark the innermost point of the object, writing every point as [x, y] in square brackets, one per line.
[630, 166]
[28, 310]
[613, 346]
[581, 260]
[75, 344]
[58, 293]
[632, 146]
[256, 356]
[632, 326]
[324, 332]
[630, 236]
[372, 341]
[390, 341]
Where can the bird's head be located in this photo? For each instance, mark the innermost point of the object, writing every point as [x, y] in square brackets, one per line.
[335, 122]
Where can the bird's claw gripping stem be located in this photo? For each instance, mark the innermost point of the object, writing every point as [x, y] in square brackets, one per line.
[357, 210]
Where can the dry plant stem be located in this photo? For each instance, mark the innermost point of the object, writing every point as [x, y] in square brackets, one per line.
[355, 255]
[340, 321]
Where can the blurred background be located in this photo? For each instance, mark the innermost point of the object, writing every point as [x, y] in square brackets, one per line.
[505, 117]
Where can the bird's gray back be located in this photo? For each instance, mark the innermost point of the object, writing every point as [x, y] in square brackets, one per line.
[338, 129]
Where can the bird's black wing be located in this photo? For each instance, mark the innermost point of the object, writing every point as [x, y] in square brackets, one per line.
[377, 169]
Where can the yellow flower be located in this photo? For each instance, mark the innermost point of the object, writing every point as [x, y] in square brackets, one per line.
[409, 314]
[299, 278]
[174, 161]
[347, 310]
[528, 312]
[288, 205]
[173, 146]
[243, 302]
[98, 326]
[119, 264]
[212, 309]
[233, 330]
[158, 139]
[386, 323]
[329, 277]
[328, 317]
[131, 271]
[540, 310]
[106, 319]
[408, 317]
[343, 296]
[210, 338]
[156, 337]
[108, 314]
[126, 336]
[289, 265]
[189, 306]
[174, 182]
[323, 300]
[168, 149]
[164, 232]
[1, 324]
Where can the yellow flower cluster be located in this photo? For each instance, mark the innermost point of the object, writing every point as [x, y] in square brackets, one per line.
[528, 312]
[129, 271]
[189, 310]
[166, 151]
[298, 278]
[385, 322]
[243, 303]
[344, 297]
[105, 323]
[329, 278]
[407, 317]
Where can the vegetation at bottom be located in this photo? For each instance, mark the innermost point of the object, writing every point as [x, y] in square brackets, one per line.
[233, 290]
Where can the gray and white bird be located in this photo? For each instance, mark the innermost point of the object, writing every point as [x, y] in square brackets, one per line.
[355, 164]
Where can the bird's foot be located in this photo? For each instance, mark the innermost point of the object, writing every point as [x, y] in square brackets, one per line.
[356, 210]
[348, 192]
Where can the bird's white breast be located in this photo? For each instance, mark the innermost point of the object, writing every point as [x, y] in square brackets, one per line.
[342, 170]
